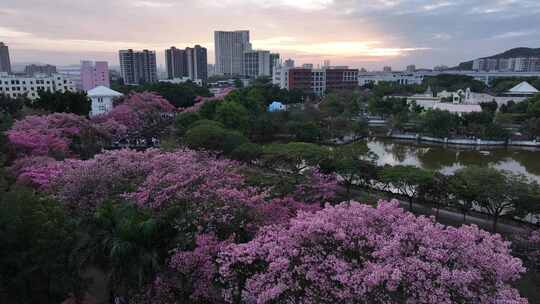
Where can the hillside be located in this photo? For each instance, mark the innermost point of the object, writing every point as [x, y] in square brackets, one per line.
[512, 53]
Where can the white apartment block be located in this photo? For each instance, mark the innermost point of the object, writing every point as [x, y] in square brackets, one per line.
[229, 51]
[519, 64]
[365, 78]
[19, 86]
[280, 73]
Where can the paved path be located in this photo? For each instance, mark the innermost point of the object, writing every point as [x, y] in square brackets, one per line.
[451, 217]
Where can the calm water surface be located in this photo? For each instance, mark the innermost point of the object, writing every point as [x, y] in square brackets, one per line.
[448, 159]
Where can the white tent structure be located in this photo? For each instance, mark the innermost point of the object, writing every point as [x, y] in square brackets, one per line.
[523, 89]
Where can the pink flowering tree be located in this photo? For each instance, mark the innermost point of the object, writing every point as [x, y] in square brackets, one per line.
[187, 175]
[142, 115]
[317, 187]
[85, 184]
[353, 253]
[196, 271]
[58, 135]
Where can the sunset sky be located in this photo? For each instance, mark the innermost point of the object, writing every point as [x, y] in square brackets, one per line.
[359, 33]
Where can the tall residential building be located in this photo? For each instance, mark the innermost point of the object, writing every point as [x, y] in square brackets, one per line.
[211, 70]
[257, 64]
[138, 67]
[176, 62]
[190, 63]
[274, 60]
[289, 63]
[411, 68]
[94, 75]
[197, 63]
[32, 69]
[229, 51]
[387, 69]
[5, 63]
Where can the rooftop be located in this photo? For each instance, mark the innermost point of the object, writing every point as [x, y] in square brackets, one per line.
[458, 108]
[523, 88]
[103, 91]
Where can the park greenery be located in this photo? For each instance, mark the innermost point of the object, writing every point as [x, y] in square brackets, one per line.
[247, 205]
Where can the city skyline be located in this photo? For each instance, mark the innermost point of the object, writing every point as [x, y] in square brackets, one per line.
[383, 32]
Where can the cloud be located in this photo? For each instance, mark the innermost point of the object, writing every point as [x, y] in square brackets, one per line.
[435, 6]
[309, 5]
[9, 33]
[400, 32]
[514, 34]
[442, 36]
[153, 4]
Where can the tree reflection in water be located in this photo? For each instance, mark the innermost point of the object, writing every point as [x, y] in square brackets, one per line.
[448, 159]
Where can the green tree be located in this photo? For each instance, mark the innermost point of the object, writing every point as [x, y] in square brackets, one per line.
[534, 107]
[12, 106]
[36, 261]
[184, 120]
[341, 103]
[211, 136]
[68, 102]
[406, 180]
[532, 127]
[452, 82]
[247, 152]
[208, 109]
[495, 131]
[355, 164]
[380, 106]
[436, 192]
[498, 193]
[128, 243]
[293, 157]
[232, 115]
[439, 123]
[305, 131]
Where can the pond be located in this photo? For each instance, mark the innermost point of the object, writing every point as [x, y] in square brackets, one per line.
[448, 159]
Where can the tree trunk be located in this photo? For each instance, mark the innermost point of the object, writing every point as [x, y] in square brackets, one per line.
[464, 217]
[411, 204]
[495, 220]
[437, 213]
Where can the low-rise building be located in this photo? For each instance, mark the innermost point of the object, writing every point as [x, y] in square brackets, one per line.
[524, 89]
[33, 69]
[102, 100]
[30, 86]
[319, 81]
[182, 80]
[459, 109]
[366, 78]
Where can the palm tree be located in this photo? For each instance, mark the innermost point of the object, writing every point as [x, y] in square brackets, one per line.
[126, 242]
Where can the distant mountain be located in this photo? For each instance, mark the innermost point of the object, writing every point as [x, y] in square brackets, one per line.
[513, 53]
